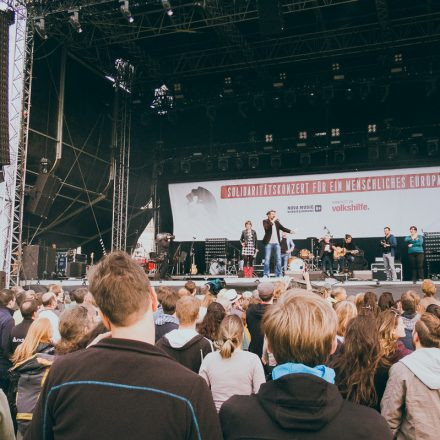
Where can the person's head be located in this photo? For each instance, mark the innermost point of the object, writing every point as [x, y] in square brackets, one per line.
[426, 333]
[265, 292]
[7, 298]
[79, 294]
[74, 325]
[271, 214]
[391, 328]
[370, 304]
[359, 301]
[121, 290]
[413, 230]
[28, 309]
[182, 292]
[248, 224]
[190, 285]
[387, 230]
[433, 309]
[348, 238]
[429, 288]
[40, 332]
[386, 301]
[169, 301]
[230, 335]
[345, 311]
[57, 290]
[211, 321]
[279, 289]
[300, 328]
[357, 361]
[187, 311]
[327, 238]
[410, 300]
[339, 294]
[49, 300]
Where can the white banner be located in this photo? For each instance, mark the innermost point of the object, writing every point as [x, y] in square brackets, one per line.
[360, 204]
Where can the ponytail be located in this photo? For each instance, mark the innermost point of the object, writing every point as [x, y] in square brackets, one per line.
[230, 335]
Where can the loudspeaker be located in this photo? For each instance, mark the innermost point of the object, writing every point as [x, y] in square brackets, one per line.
[363, 275]
[76, 270]
[43, 195]
[270, 17]
[5, 21]
[2, 279]
[38, 262]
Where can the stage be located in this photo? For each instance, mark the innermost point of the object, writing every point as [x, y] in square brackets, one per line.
[242, 284]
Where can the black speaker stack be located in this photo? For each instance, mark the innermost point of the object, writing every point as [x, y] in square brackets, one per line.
[38, 262]
[43, 194]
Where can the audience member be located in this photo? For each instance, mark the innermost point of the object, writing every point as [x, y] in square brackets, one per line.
[411, 403]
[370, 304]
[79, 396]
[48, 311]
[28, 309]
[357, 364]
[410, 303]
[254, 316]
[339, 294]
[386, 301]
[278, 290]
[57, 290]
[429, 290]
[183, 292]
[212, 320]
[359, 301]
[190, 285]
[345, 312]
[185, 345]
[74, 325]
[230, 370]
[167, 321]
[434, 309]
[7, 306]
[301, 402]
[6, 425]
[77, 296]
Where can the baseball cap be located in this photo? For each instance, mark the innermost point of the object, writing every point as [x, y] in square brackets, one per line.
[265, 291]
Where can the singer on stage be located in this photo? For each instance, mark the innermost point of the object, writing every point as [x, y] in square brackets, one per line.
[248, 241]
[272, 241]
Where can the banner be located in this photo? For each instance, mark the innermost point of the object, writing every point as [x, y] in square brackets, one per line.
[360, 204]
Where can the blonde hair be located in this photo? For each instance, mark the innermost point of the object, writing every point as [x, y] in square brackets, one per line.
[345, 311]
[279, 289]
[183, 291]
[359, 301]
[428, 330]
[338, 291]
[208, 299]
[39, 331]
[300, 327]
[187, 310]
[429, 288]
[230, 335]
[388, 322]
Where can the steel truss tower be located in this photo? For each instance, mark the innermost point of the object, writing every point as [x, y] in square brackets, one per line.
[121, 153]
[15, 174]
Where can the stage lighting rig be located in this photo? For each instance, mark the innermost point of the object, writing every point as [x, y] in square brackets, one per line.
[40, 27]
[125, 10]
[74, 20]
[254, 161]
[168, 9]
[432, 147]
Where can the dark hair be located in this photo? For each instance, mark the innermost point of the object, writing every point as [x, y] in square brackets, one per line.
[28, 308]
[428, 330]
[386, 301]
[409, 301]
[212, 320]
[21, 296]
[348, 236]
[357, 361]
[246, 222]
[387, 227]
[6, 296]
[79, 294]
[74, 324]
[413, 227]
[434, 309]
[91, 335]
[370, 304]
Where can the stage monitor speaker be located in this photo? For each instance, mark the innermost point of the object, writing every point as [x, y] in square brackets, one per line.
[76, 270]
[43, 195]
[2, 279]
[270, 17]
[5, 21]
[363, 275]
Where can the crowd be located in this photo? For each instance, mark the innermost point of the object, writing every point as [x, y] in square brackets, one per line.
[119, 360]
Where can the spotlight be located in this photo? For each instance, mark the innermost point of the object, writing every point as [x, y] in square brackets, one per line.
[239, 163]
[336, 132]
[40, 27]
[209, 165]
[254, 161]
[167, 6]
[125, 10]
[268, 138]
[391, 150]
[373, 153]
[223, 163]
[372, 128]
[414, 149]
[74, 20]
[185, 166]
[432, 147]
[302, 135]
[339, 156]
[275, 161]
[305, 159]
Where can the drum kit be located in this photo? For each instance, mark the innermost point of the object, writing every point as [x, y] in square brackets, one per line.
[305, 259]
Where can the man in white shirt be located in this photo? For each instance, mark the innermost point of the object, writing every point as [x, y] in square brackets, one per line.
[49, 305]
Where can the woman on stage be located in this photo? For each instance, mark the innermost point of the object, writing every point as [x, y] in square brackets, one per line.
[415, 253]
[248, 241]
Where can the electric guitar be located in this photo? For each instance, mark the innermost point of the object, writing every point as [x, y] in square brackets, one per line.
[193, 270]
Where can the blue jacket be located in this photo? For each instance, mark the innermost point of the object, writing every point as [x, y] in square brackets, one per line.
[6, 324]
[393, 245]
[417, 244]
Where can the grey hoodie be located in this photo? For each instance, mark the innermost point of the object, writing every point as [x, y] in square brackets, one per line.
[425, 364]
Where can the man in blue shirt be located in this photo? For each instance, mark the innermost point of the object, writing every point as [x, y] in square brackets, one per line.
[389, 245]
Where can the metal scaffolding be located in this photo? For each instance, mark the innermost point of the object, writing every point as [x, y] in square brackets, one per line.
[15, 173]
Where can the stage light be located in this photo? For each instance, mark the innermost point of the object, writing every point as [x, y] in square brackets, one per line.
[302, 135]
[339, 156]
[125, 10]
[228, 80]
[40, 27]
[414, 149]
[432, 147]
[209, 165]
[167, 6]
[336, 132]
[254, 161]
[338, 75]
[373, 153]
[283, 76]
[392, 149]
[275, 161]
[268, 138]
[305, 159]
[185, 166]
[372, 128]
[223, 163]
[74, 20]
[239, 163]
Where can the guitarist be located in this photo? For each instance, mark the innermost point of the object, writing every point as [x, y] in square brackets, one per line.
[248, 242]
[350, 250]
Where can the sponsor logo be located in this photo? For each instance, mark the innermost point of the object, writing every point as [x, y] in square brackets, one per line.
[302, 209]
[350, 207]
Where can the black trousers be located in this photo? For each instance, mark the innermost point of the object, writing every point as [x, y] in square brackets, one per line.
[327, 262]
[248, 260]
[348, 262]
[417, 260]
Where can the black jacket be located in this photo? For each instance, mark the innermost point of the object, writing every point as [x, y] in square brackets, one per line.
[300, 406]
[19, 332]
[123, 389]
[267, 225]
[6, 325]
[254, 237]
[254, 315]
[191, 354]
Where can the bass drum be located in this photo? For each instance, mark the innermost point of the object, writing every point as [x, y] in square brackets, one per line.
[295, 264]
[305, 254]
[217, 267]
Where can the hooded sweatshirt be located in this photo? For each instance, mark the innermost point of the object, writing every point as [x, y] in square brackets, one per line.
[254, 315]
[164, 324]
[409, 322]
[299, 406]
[186, 346]
[411, 402]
